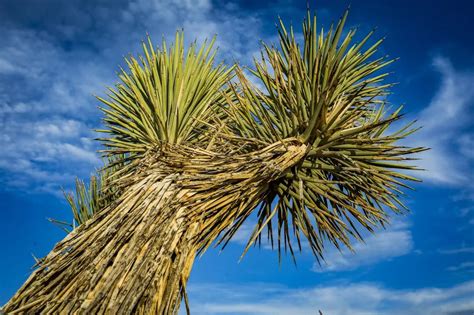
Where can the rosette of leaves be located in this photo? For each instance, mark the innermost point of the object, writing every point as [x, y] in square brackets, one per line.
[329, 93]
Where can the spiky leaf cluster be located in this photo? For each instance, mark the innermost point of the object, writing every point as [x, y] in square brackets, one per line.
[168, 95]
[88, 199]
[330, 94]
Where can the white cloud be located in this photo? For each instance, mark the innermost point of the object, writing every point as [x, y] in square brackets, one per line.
[447, 128]
[464, 266]
[340, 299]
[237, 33]
[45, 141]
[394, 241]
[242, 236]
[384, 245]
[44, 157]
[45, 109]
[460, 250]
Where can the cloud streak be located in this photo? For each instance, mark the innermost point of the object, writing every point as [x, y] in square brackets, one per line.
[340, 299]
[447, 128]
[387, 244]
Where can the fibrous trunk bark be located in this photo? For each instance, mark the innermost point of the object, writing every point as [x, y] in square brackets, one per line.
[135, 256]
[131, 259]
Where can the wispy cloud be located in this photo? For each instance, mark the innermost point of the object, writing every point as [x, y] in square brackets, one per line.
[460, 250]
[464, 266]
[387, 244]
[448, 128]
[45, 112]
[340, 299]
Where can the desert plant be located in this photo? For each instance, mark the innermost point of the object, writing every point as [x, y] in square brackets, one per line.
[309, 150]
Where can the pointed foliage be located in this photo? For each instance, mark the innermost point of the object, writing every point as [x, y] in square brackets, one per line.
[167, 95]
[330, 94]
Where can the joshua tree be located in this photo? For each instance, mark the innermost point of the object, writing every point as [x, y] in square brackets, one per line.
[195, 148]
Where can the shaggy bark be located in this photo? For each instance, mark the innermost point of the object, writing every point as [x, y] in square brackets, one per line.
[137, 256]
[131, 259]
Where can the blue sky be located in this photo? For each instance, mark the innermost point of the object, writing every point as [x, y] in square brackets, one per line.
[55, 55]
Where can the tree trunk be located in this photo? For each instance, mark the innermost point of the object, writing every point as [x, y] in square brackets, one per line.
[136, 256]
[131, 259]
